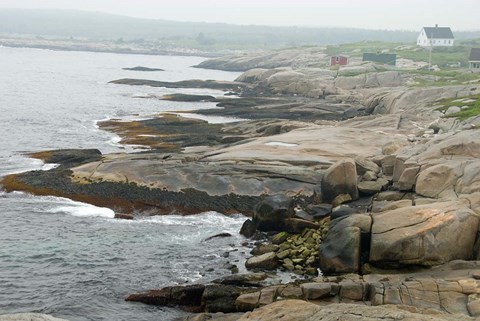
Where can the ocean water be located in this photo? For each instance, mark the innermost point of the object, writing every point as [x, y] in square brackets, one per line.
[70, 259]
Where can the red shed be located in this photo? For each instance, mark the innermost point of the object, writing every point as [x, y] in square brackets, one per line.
[341, 60]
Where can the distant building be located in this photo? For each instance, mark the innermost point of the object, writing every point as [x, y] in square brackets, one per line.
[341, 60]
[435, 37]
[474, 59]
[383, 58]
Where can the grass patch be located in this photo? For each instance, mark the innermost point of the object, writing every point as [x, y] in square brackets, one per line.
[472, 107]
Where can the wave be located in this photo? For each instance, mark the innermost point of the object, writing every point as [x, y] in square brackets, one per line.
[83, 210]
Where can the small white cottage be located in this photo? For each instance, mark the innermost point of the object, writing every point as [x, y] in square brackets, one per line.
[435, 37]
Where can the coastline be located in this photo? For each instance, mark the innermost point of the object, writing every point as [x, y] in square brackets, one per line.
[362, 155]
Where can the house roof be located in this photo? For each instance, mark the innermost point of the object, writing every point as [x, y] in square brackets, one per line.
[388, 59]
[474, 54]
[438, 32]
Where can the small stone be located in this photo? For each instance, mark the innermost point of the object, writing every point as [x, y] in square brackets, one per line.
[279, 238]
[369, 176]
[311, 271]
[267, 261]
[315, 291]
[283, 254]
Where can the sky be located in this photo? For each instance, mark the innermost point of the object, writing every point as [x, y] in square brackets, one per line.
[368, 14]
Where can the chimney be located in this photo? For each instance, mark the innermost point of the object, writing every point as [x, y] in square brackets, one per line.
[436, 25]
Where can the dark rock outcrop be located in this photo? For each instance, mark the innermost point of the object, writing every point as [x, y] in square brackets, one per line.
[270, 213]
[140, 68]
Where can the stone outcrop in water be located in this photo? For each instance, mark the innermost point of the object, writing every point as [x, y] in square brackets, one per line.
[141, 68]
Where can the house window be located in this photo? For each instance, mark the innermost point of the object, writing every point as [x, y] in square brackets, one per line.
[337, 59]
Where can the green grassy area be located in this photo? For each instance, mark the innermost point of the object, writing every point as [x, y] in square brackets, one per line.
[450, 77]
[444, 57]
[472, 109]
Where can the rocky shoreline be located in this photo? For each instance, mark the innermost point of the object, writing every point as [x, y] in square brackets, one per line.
[351, 172]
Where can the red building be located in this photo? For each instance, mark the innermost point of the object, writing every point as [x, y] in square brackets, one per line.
[341, 60]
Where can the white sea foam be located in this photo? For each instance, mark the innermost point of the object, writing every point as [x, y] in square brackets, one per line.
[281, 144]
[83, 210]
[47, 167]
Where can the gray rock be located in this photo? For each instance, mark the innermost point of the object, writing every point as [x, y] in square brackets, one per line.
[340, 178]
[270, 214]
[371, 187]
[341, 250]
[267, 261]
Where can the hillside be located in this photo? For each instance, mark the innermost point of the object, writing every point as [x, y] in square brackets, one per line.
[101, 26]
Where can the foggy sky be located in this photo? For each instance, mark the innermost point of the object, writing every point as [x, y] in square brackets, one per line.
[370, 14]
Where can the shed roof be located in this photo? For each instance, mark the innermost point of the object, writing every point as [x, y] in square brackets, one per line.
[474, 54]
[438, 32]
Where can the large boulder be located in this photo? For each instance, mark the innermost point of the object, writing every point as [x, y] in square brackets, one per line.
[423, 235]
[340, 179]
[446, 166]
[342, 249]
[270, 214]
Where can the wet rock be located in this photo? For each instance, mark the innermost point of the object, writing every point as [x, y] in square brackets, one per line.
[220, 298]
[189, 98]
[219, 235]
[270, 214]
[123, 216]
[264, 248]
[267, 261]
[248, 228]
[190, 295]
[69, 157]
[340, 178]
[243, 280]
[279, 238]
[304, 216]
[195, 83]
[296, 225]
[343, 210]
[141, 68]
[320, 211]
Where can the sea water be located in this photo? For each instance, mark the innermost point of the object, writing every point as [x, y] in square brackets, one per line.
[74, 260]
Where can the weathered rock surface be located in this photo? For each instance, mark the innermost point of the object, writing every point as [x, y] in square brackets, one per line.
[424, 235]
[340, 178]
[304, 311]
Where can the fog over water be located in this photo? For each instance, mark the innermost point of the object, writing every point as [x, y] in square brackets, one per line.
[370, 14]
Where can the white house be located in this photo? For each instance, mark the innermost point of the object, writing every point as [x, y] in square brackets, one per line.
[435, 37]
